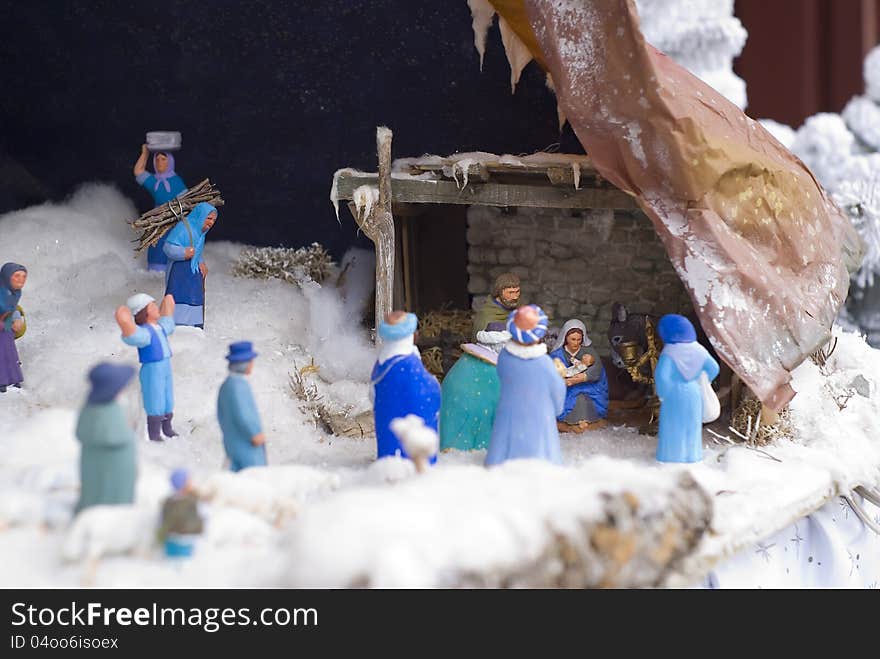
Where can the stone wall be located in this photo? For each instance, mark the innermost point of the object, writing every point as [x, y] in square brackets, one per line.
[574, 264]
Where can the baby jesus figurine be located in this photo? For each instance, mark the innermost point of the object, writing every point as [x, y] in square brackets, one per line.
[577, 366]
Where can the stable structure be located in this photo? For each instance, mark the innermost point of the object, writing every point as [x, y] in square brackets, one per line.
[578, 242]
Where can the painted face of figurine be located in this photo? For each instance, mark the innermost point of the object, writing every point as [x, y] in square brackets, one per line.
[161, 163]
[573, 341]
[209, 221]
[509, 296]
[17, 280]
[152, 312]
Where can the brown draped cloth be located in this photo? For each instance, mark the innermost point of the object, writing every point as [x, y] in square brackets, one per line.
[763, 252]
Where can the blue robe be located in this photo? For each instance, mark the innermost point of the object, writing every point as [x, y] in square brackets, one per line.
[597, 391]
[183, 280]
[681, 408]
[156, 259]
[157, 383]
[467, 411]
[239, 421]
[532, 396]
[402, 386]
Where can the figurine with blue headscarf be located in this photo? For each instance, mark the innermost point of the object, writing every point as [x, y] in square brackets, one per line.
[12, 279]
[163, 186]
[677, 383]
[400, 384]
[532, 393]
[185, 279]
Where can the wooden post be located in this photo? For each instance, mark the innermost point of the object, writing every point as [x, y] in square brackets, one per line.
[379, 227]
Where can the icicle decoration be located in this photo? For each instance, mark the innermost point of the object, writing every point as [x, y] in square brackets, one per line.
[560, 115]
[482, 13]
[517, 53]
[576, 174]
[461, 167]
[365, 197]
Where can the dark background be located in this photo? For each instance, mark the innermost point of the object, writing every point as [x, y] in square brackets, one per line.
[271, 97]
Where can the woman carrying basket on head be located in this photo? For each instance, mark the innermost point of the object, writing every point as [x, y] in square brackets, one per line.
[185, 279]
[163, 186]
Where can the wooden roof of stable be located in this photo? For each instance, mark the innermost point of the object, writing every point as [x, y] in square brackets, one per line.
[542, 180]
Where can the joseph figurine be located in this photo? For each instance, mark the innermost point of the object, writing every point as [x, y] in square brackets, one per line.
[498, 305]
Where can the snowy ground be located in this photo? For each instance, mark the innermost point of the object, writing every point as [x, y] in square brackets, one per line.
[355, 518]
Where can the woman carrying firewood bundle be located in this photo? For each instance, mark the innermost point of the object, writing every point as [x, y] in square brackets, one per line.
[185, 279]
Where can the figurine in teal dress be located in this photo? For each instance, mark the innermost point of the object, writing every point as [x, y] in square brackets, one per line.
[469, 393]
[108, 459]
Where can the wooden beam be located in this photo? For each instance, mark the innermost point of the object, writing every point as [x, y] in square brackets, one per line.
[415, 191]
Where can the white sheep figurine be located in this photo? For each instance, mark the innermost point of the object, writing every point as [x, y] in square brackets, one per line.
[249, 494]
[419, 441]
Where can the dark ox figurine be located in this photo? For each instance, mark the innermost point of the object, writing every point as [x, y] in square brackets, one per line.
[630, 327]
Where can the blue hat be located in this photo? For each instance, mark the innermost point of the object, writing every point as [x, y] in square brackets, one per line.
[179, 477]
[528, 336]
[108, 380]
[400, 330]
[673, 328]
[241, 351]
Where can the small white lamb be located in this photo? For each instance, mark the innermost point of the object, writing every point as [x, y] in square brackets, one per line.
[419, 441]
[100, 531]
[225, 488]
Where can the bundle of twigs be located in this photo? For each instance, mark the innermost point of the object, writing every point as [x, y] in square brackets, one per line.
[291, 265]
[155, 223]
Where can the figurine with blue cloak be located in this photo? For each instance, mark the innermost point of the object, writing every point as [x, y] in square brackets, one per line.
[677, 383]
[108, 459]
[185, 278]
[532, 394]
[586, 394]
[163, 185]
[469, 393]
[12, 279]
[147, 327]
[243, 437]
[400, 384]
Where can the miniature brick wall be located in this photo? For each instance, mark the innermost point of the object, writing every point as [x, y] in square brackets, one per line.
[574, 264]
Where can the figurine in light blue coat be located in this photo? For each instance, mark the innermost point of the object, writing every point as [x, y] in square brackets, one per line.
[677, 383]
[243, 437]
[532, 393]
[147, 327]
[187, 271]
[163, 186]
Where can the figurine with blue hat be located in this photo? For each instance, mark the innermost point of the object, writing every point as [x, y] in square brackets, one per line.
[400, 384]
[147, 327]
[108, 460]
[532, 393]
[243, 437]
[181, 521]
[677, 383]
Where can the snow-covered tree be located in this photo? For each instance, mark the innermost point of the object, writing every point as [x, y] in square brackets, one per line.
[702, 35]
[843, 151]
